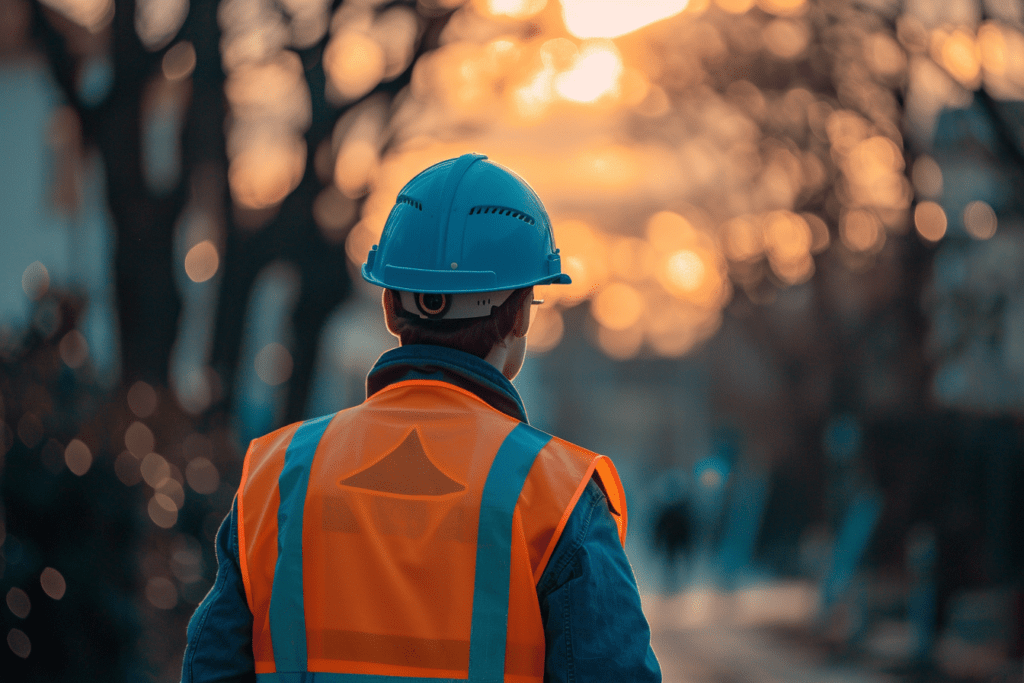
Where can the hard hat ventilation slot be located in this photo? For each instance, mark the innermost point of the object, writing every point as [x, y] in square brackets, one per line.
[406, 199]
[504, 211]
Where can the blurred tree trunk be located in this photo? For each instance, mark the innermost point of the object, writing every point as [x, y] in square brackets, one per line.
[148, 303]
[292, 235]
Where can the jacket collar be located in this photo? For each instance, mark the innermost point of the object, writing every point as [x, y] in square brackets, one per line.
[423, 361]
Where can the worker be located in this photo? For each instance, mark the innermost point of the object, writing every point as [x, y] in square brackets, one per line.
[430, 533]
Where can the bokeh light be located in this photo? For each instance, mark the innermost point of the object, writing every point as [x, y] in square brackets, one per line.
[161, 592]
[262, 175]
[270, 109]
[78, 457]
[743, 238]
[618, 306]
[142, 399]
[139, 439]
[53, 583]
[820, 237]
[155, 470]
[19, 643]
[74, 349]
[786, 38]
[992, 49]
[789, 241]
[127, 468]
[794, 271]
[156, 21]
[271, 89]
[162, 511]
[927, 177]
[861, 231]
[874, 167]
[18, 602]
[179, 61]
[93, 15]
[202, 261]
[355, 63]
[980, 220]
[958, 53]
[273, 364]
[202, 476]
[685, 270]
[358, 135]
[930, 221]
[884, 55]
[172, 490]
[710, 479]
[35, 281]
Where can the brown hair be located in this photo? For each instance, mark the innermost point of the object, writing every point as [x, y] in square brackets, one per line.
[472, 335]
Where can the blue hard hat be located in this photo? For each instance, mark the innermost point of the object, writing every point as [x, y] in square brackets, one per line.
[465, 225]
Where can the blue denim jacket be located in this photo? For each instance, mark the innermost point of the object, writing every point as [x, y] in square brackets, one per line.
[595, 629]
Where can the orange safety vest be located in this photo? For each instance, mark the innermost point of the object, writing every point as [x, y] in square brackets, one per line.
[404, 539]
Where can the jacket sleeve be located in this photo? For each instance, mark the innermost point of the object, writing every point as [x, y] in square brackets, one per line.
[594, 625]
[220, 632]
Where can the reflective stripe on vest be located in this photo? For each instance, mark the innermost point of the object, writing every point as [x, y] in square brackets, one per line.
[502, 488]
[328, 677]
[287, 611]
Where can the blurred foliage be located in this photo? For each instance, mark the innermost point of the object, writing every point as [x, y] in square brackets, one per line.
[689, 154]
[88, 530]
[98, 532]
[718, 150]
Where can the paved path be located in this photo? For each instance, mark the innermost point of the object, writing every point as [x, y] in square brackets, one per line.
[710, 639]
[719, 655]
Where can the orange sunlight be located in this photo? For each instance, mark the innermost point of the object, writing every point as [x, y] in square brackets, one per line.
[612, 18]
[596, 72]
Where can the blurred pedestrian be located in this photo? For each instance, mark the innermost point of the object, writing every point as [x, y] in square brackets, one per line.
[673, 538]
[430, 533]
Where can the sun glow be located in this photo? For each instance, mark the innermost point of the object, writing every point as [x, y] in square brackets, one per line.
[532, 99]
[618, 306]
[612, 18]
[514, 9]
[595, 73]
[685, 270]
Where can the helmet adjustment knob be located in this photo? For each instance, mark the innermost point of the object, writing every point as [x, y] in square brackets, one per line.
[434, 306]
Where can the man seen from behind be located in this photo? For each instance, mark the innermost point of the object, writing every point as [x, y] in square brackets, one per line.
[430, 533]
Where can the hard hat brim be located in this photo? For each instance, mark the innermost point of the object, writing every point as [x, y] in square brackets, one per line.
[451, 281]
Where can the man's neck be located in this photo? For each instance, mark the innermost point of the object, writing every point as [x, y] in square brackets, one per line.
[507, 357]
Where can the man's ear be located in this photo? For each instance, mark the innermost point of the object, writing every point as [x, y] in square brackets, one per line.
[390, 314]
[522, 322]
